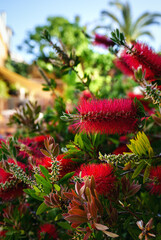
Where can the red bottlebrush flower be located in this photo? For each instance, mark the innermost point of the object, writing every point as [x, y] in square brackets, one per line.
[103, 175]
[121, 149]
[2, 234]
[140, 97]
[39, 140]
[66, 165]
[45, 161]
[4, 176]
[10, 193]
[48, 230]
[85, 95]
[134, 95]
[71, 129]
[121, 64]
[33, 145]
[142, 55]
[103, 41]
[155, 180]
[107, 116]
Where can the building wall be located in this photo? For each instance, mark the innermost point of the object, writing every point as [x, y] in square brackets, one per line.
[5, 37]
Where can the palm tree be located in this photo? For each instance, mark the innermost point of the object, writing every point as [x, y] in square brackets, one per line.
[132, 30]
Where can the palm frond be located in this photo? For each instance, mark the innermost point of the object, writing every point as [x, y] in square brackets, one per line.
[139, 20]
[126, 14]
[149, 22]
[144, 33]
[112, 16]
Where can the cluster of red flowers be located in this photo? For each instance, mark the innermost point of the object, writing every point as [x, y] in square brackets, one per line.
[145, 102]
[103, 175]
[103, 41]
[10, 193]
[34, 145]
[141, 55]
[2, 234]
[155, 180]
[47, 230]
[85, 95]
[66, 165]
[108, 116]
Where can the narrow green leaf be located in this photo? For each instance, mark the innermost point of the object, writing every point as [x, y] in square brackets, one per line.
[64, 225]
[45, 173]
[146, 173]
[57, 187]
[42, 208]
[14, 152]
[33, 194]
[66, 177]
[138, 169]
[117, 33]
[41, 180]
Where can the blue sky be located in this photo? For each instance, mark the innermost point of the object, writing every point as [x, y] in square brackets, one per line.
[23, 16]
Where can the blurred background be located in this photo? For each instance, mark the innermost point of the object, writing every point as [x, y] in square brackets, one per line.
[75, 25]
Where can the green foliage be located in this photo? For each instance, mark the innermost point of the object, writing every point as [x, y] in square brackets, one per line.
[118, 37]
[27, 116]
[84, 147]
[141, 145]
[8, 149]
[3, 89]
[132, 29]
[56, 28]
[75, 204]
[18, 67]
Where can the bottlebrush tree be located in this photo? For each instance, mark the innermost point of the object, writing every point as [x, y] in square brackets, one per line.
[93, 172]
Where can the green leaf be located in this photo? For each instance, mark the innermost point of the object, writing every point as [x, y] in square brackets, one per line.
[79, 86]
[64, 225]
[14, 152]
[146, 173]
[133, 232]
[141, 110]
[45, 172]
[37, 190]
[41, 180]
[66, 177]
[46, 89]
[138, 169]
[117, 33]
[33, 194]
[42, 208]
[57, 187]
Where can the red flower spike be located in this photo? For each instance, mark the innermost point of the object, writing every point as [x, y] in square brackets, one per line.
[33, 146]
[144, 102]
[15, 191]
[103, 175]
[103, 41]
[48, 229]
[155, 180]
[2, 234]
[121, 149]
[66, 165]
[142, 55]
[107, 116]
[11, 193]
[85, 95]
